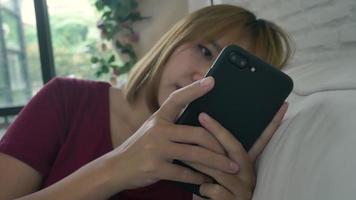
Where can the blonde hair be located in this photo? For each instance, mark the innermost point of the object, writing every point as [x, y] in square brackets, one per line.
[268, 40]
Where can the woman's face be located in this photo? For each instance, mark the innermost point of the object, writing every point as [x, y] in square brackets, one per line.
[190, 62]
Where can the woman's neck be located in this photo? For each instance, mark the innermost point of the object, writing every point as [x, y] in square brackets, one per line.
[133, 113]
[139, 110]
[126, 117]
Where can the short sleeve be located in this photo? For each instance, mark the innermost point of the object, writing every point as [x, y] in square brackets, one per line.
[38, 131]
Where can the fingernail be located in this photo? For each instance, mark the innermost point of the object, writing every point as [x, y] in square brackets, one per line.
[204, 117]
[206, 81]
[234, 167]
[285, 105]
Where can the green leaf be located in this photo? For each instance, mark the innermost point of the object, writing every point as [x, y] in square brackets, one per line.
[111, 59]
[99, 5]
[118, 44]
[126, 68]
[134, 4]
[113, 4]
[106, 15]
[114, 13]
[98, 74]
[114, 66]
[135, 16]
[94, 59]
[105, 69]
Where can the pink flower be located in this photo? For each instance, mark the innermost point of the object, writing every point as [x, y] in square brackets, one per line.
[135, 37]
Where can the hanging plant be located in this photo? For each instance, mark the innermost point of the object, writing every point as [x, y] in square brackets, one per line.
[116, 27]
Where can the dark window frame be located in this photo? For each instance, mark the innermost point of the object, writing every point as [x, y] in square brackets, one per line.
[45, 50]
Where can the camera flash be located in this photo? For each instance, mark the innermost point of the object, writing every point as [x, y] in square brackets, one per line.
[253, 69]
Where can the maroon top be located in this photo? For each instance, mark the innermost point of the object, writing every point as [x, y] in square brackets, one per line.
[65, 126]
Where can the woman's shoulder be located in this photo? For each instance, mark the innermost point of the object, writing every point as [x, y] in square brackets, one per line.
[71, 96]
[77, 88]
[74, 83]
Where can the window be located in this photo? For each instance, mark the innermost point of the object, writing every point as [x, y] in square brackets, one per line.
[74, 36]
[27, 62]
[20, 75]
[19, 54]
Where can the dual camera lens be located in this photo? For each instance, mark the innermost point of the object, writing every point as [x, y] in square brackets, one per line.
[238, 60]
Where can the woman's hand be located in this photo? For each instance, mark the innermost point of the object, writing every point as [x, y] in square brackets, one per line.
[240, 185]
[147, 155]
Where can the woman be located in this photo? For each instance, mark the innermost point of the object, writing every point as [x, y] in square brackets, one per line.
[81, 139]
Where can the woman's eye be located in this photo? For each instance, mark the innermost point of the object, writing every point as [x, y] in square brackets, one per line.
[205, 51]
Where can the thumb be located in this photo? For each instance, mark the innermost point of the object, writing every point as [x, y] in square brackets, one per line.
[179, 99]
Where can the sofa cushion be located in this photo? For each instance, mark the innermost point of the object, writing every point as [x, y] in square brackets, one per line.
[311, 156]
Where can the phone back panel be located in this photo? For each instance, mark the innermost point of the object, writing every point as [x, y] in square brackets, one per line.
[244, 101]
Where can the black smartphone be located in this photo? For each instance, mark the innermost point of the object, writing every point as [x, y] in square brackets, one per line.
[247, 94]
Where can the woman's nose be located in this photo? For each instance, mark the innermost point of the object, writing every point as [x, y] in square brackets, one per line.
[197, 76]
[200, 71]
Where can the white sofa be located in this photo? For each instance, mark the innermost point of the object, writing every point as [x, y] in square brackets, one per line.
[312, 155]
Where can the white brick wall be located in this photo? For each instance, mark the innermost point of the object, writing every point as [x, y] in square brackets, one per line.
[322, 29]
[196, 4]
[163, 15]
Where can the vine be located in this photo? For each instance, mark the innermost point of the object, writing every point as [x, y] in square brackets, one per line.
[116, 27]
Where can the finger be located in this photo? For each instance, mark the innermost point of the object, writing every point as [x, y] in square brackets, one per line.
[231, 182]
[267, 134]
[215, 191]
[233, 147]
[179, 99]
[228, 180]
[196, 135]
[178, 173]
[193, 153]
